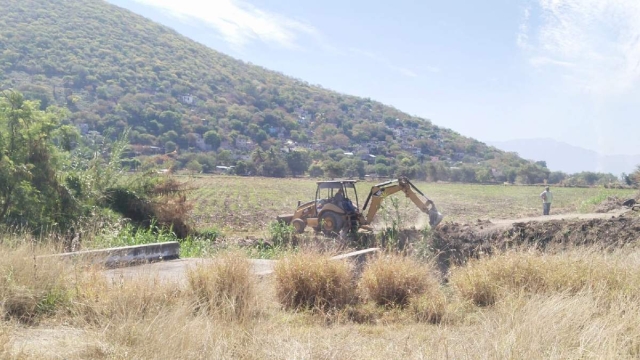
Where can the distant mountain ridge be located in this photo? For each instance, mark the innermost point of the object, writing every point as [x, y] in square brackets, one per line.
[564, 157]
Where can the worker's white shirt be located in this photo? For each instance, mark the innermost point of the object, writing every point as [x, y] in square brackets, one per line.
[547, 197]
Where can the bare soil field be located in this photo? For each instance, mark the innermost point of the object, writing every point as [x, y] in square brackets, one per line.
[246, 205]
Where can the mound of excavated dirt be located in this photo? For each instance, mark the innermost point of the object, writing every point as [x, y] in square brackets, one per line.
[458, 242]
[611, 203]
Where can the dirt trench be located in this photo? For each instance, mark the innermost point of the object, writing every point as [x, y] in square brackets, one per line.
[455, 243]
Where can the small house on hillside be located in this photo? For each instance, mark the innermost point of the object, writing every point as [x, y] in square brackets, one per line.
[187, 99]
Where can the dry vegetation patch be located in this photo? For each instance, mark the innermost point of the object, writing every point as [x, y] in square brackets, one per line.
[578, 303]
[98, 301]
[313, 281]
[392, 280]
[225, 288]
[485, 281]
[31, 287]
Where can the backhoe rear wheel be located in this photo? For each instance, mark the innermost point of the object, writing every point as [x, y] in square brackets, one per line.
[330, 223]
[299, 225]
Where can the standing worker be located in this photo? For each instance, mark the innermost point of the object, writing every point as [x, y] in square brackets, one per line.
[547, 198]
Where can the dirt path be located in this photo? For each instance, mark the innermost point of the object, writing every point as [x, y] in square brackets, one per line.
[494, 224]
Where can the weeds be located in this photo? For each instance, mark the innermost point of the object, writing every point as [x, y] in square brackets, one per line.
[281, 234]
[486, 281]
[430, 307]
[31, 287]
[575, 304]
[313, 281]
[393, 280]
[225, 288]
[98, 301]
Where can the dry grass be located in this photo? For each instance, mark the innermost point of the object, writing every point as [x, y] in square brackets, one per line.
[98, 301]
[31, 287]
[313, 281]
[430, 306]
[486, 281]
[392, 280]
[226, 288]
[576, 304]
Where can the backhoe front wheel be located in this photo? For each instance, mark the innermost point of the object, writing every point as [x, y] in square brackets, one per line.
[330, 223]
[299, 225]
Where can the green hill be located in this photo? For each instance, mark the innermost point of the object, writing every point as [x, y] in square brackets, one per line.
[114, 69]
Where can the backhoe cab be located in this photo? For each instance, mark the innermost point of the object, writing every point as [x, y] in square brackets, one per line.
[336, 206]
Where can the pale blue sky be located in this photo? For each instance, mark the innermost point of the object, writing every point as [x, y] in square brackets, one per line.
[493, 70]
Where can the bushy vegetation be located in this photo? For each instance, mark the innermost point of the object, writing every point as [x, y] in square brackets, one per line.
[51, 180]
[487, 281]
[314, 282]
[190, 107]
[225, 288]
[394, 280]
[31, 288]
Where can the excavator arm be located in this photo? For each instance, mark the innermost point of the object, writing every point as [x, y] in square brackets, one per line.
[380, 191]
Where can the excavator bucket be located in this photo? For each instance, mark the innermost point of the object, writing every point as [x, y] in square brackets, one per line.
[435, 217]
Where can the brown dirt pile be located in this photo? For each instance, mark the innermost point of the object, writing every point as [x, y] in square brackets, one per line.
[611, 203]
[457, 242]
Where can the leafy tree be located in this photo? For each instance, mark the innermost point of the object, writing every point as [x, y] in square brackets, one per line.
[555, 177]
[170, 146]
[316, 170]
[212, 138]
[273, 165]
[225, 157]
[484, 175]
[298, 162]
[194, 166]
[333, 169]
[242, 168]
[353, 167]
[31, 165]
[468, 174]
[635, 176]
[532, 174]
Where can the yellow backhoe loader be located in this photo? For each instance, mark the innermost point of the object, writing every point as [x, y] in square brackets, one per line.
[333, 209]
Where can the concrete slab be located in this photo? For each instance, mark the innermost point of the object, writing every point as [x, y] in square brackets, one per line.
[359, 258]
[176, 270]
[360, 255]
[126, 255]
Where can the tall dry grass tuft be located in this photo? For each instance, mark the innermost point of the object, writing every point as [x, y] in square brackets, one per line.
[99, 301]
[487, 280]
[558, 326]
[313, 281]
[430, 307]
[393, 280]
[225, 288]
[31, 286]
[5, 342]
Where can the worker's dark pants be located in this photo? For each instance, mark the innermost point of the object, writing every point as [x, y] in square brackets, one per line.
[546, 207]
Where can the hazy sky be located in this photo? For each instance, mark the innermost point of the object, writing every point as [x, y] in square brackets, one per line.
[493, 70]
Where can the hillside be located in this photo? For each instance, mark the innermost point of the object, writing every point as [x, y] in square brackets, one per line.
[114, 69]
